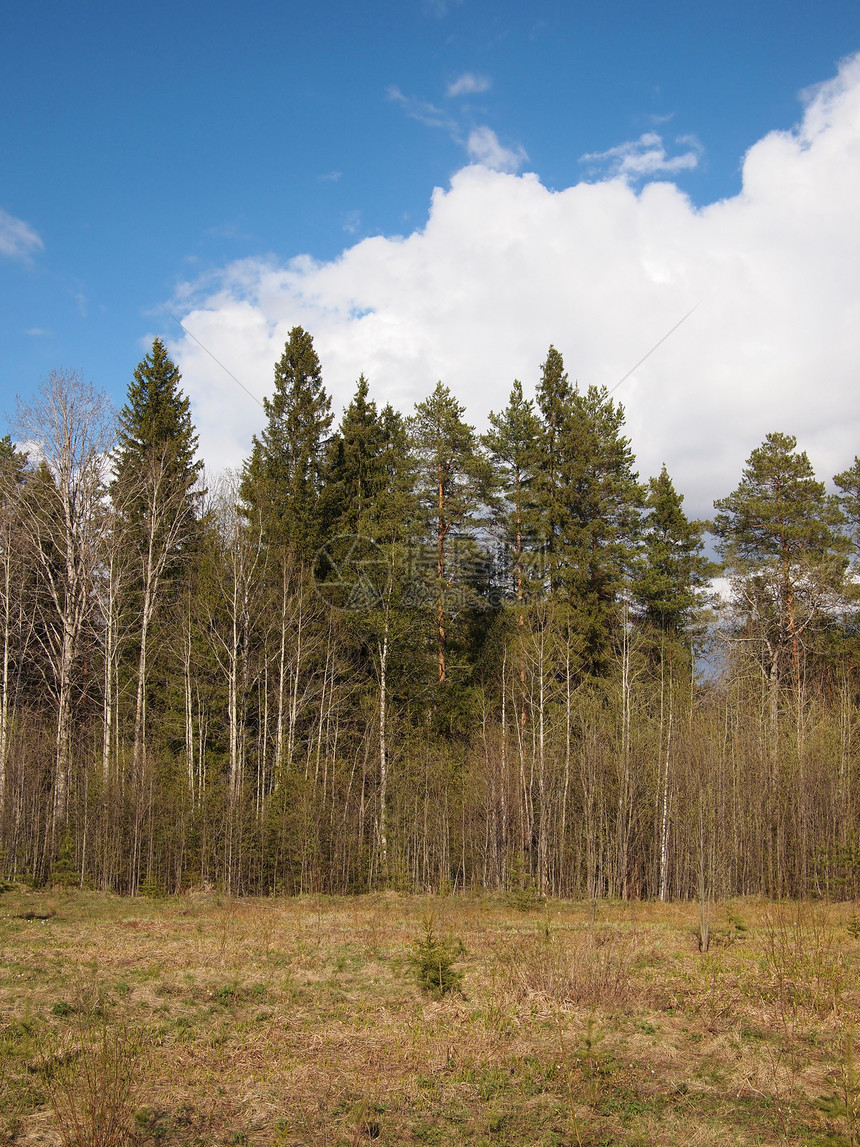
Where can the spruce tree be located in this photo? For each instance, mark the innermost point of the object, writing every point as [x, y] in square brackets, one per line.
[355, 474]
[280, 493]
[554, 397]
[600, 501]
[513, 445]
[675, 570]
[364, 567]
[849, 483]
[156, 442]
[157, 506]
[283, 477]
[452, 480]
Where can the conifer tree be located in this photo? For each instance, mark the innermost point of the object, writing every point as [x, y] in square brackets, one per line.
[675, 570]
[849, 483]
[600, 499]
[554, 397]
[355, 470]
[157, 504]
[369, 513]
[156, 431]
[451, 481]
[779, 533]
[513, 444]
[283, 477]
[280, 491]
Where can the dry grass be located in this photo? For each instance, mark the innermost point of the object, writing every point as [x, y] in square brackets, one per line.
[298, 1022]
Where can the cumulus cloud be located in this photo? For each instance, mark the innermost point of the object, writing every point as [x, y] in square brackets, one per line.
[483, 147]
[469, 84]
[18, 240]
[644, 157]
[504, 266]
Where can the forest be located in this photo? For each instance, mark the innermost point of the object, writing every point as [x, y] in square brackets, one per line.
[396, 654]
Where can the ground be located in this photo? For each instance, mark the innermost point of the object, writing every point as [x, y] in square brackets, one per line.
[206, 1020]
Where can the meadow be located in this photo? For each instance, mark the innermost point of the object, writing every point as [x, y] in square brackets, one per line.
[201, 1019]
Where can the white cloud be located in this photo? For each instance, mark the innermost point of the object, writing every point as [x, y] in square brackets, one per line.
[469, 84]
[483, 147]
[504, 266]
[645, 156]
[18, 240]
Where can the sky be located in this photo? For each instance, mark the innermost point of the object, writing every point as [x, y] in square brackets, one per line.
[440, 189]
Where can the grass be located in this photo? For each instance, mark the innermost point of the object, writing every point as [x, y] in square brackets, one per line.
[300, 1022]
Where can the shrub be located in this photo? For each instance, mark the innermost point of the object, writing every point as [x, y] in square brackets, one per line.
[93, 1084]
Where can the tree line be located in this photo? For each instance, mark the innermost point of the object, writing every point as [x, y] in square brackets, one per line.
[394, 653]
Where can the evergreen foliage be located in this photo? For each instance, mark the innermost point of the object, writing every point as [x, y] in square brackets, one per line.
[156, 446]
[513, 445]
[282, 480]
[355, 474]
[849, 483]
[157, 504]
[780, 535]
[398, 656]
[13, 464]
[600, 499]
[433, 959]
[674, 572]
[554, 399]
[452, 483]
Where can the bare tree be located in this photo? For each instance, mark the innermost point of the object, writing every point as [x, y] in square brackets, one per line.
[14, 624]
[68, 426]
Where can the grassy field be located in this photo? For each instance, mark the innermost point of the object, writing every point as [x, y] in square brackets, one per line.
[204, 1020]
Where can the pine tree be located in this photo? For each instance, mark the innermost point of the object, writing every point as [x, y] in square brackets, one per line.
[779, 533]
[282, 480]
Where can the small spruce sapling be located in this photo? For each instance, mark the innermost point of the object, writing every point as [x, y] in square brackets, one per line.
[432, 959]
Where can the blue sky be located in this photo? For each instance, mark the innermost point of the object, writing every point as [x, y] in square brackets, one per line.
[185, 155]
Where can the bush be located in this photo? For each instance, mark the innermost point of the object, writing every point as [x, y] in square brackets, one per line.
[92, 1077]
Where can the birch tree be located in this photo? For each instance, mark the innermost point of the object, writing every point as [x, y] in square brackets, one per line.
[69, 427]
